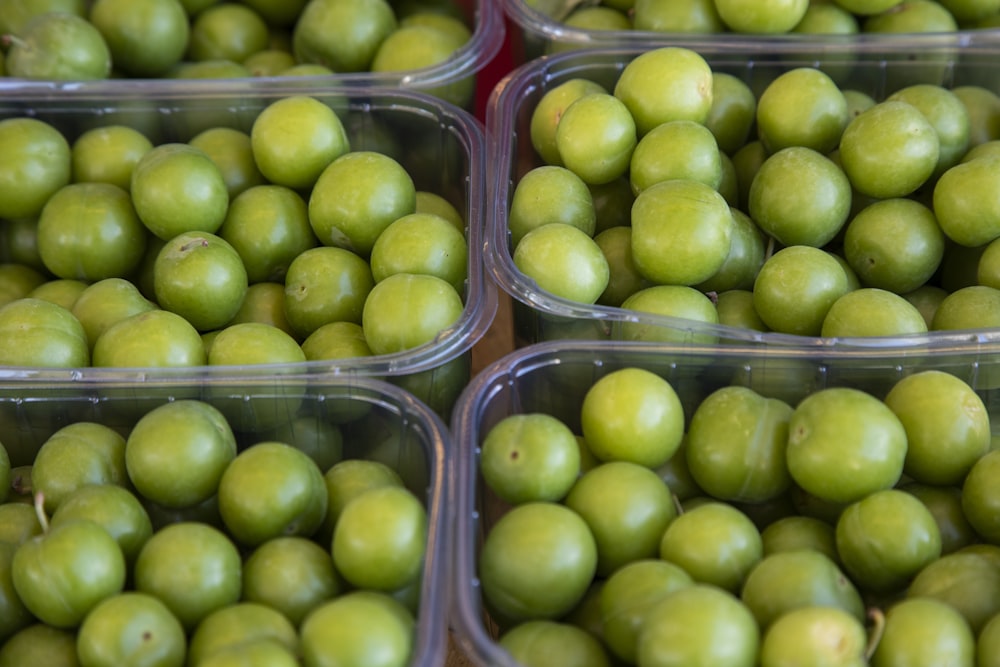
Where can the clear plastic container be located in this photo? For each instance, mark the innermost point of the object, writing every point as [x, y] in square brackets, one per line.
[539, 315]
[553, 377]
[440, 145]
[452, 80]
[374, 420]
[538, 28]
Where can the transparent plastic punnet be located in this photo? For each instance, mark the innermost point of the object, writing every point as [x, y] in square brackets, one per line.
[538, 29]
[539, 315]
[553, 377]
[440, 145]
[453, 80]
[370, 419]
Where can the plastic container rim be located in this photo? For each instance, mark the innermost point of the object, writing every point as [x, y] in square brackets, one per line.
[486, 41]
[480, 300]
[539, 25]
[501, 130]
[503, 373]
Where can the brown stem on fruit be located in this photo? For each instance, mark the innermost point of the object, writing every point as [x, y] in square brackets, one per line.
[770, 248]
[877, 618]
[195, 243]
[677, 503]
[9, 39]
[43, 520]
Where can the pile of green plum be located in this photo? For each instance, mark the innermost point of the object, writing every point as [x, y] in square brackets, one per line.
[736, 528]
[79, 40]
[796, 17]
[794, 205]
[179, 541]
[276, 245]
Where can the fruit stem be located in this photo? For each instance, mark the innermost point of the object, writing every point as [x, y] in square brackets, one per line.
[877, 618]
[677, 503]
[43, 520]
[9, 39]
[770, 248]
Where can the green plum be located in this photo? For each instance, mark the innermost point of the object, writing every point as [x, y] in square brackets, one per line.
[844, 444]
[271, 489]
[63, 573]
[627, 507]
[557, 575]
[131, 628]
[192, 567]
[530, 457]
[713, 542]
[681, 232]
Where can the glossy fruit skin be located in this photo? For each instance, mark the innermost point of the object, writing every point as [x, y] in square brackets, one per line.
[691, 541]
[191, 567]
[34, 164]
[59, 46]
[407, 310]
[40, 644]
[177, 188]
[966, 580]
[736, 445]
[348, 479]
[342, 35]
[699, 625]
[356, 197]
[422, 243]
[681, 232]
[980, 498]
[627, 507]
[41, 333]
[817, 636]
[326, 284]
[844, 444]
[268, 225]
[542, 642]
[530, 457]
[146, 37]
[14, 616]
[75, 456]
[115, 508]
[800, 197]
[965, 202]
[555, 581]
[683, 88]
[924, 631]
[153, 338]
[563, 260]
[238, 624]
[889, 150]
[595, 137]
[131, 628]
[546, 114]
[294, 139]
[61, 575]
[787, 580]
[293, 575]
[801, 107]
[177, 453]
[870, 312]
[894, 244]
[947, 426]
[271, 489]
[380, 539]
[358, 628]
[795, 288]
[628, 594]
[886, 538]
